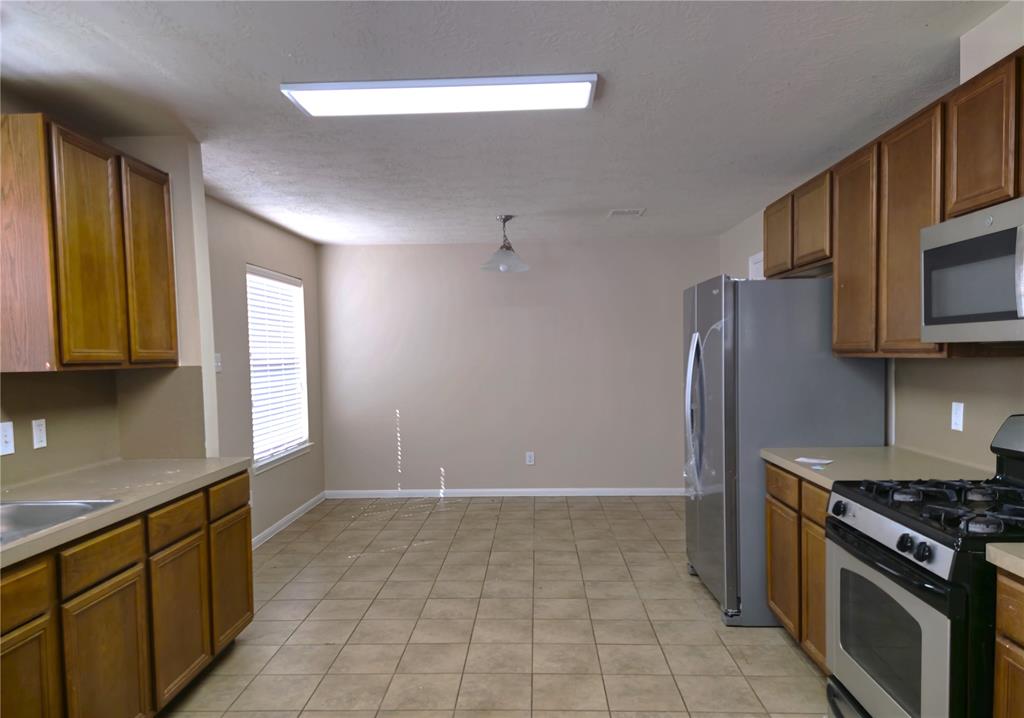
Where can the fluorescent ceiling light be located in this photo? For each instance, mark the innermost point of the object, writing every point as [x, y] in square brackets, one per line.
[425, 97]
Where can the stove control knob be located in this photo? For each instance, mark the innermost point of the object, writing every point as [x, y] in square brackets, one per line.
[905, 543]
[839, 508]
[923, 552]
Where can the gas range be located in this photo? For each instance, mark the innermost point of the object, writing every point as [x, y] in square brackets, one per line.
[906, 577]
[929, 521]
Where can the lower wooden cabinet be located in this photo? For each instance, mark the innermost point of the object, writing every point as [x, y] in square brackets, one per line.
[795, 512]
[1009, 688]
[231, 575]
[106, 649]
[116, 624]
[180, 608]
[782, 529]
[812, 591]
[30, 670]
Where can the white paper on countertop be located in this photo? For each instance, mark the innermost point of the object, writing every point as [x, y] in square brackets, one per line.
[808, 460]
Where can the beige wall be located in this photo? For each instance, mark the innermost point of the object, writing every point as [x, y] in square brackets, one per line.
[235, 239]
[80, 409]
[736, 245]
[579, 360]
[990, 389]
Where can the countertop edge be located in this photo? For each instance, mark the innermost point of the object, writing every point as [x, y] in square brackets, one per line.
[804, 471]
[1007, 556]
[48, 539]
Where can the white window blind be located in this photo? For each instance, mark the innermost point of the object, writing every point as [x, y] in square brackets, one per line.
[277, 364]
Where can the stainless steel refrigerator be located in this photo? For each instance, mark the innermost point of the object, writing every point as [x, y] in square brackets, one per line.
[760, 373]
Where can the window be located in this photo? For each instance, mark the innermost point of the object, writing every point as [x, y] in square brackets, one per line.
[277, 364]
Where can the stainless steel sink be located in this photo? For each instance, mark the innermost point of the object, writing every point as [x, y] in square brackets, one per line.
[21, 518]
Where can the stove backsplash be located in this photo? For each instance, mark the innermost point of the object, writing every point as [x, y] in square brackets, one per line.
[990, 389]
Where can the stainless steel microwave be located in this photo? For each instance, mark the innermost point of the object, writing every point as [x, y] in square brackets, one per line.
[972, 276]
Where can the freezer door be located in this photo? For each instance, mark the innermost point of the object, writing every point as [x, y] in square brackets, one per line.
[714, 556]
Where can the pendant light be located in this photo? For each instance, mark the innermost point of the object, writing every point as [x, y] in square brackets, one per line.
[505, 259]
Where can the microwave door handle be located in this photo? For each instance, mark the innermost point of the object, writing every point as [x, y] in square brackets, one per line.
[1018, 271]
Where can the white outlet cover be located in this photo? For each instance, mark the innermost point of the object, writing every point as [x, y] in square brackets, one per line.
[956, 421]
[6, 438]
[39, 433]
[530, 459]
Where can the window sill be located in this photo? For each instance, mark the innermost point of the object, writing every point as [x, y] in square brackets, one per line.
[269, 464]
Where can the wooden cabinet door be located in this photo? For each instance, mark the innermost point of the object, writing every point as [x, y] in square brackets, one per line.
[27, 291]
[981, 138]
[231, 576]
[910, 198]
[106, 649]
[30, 670]
[180, 611]
[812, 591]
[812, 220]
[149, 260]
[778, 236]
[1009, 688]
[782, 543]
[90, 250]
[855, 244]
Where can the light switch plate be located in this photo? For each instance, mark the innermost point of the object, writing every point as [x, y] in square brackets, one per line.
[218, 363]
[39, 433]
[956, 421]
[530, 458]
[6, 438]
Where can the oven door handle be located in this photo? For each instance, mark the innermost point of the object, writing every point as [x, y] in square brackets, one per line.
[933, 590]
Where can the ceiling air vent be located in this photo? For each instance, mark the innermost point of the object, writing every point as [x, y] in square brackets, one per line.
[635, 212]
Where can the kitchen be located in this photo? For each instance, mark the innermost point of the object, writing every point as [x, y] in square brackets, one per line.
[488, 491]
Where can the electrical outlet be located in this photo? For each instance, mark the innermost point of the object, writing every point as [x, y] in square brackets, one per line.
[956, 421]
[39, 433]
[6, 438]
[529, 458]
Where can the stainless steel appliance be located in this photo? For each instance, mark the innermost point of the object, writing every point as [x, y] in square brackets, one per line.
[972, 276]
[760, 372]
[910, 597]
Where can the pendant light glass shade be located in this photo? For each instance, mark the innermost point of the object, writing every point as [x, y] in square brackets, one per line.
[505, 259]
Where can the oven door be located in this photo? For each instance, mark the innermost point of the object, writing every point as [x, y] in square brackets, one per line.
[888, 631]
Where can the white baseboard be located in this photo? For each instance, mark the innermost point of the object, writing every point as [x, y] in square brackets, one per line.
[459, 493]
[262, 536]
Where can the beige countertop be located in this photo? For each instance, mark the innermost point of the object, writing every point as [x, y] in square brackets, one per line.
[138, 484]
[871, 463]
[1007, 556]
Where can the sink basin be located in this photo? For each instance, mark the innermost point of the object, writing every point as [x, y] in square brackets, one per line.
[21, 518]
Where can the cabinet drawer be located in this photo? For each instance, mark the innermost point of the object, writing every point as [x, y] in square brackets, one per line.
[229, 495]
[26, 591]
[1010, 607]
[813, 502]
[175, 521]
[87, 563]
[783, 486]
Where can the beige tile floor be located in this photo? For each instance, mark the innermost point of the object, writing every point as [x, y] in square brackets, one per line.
[494, 608]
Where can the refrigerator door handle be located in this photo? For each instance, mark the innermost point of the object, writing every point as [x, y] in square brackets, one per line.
[690, 476]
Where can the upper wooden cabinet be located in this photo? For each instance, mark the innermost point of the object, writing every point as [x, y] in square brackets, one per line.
[149, 255]
[90, 250]
[87, 271]
[855, 215]
[812, 220]
[778, 236]
[981, 138]
[28, 329]
[910, 199]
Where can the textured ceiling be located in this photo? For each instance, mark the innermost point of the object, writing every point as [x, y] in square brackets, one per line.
[704, 111]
